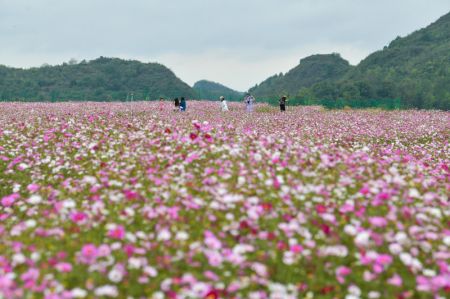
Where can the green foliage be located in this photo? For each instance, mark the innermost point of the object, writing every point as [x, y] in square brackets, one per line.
[312, 70]
[102, 79]
[414, 70]
[212, 90]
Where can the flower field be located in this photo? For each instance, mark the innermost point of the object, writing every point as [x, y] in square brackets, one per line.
[134, 200]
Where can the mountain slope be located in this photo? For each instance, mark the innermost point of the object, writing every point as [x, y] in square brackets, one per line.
[311, 70]
[101, 79]
[414, 70]
[212, 90]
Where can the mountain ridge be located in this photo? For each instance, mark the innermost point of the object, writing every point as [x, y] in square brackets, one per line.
[101, 79]
[414, 70]
[206, 89]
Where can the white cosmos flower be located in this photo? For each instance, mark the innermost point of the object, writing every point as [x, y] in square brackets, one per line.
[429, 272]
[402, 238]
[134, 263]
[350, 230]
[69, 204]
[90, 180]
[447, 240]
[35, 199]
[395, 248]
[362, 239]
[150, 271]
[414, 193]
[406, 258]
[35, 256]
[79, 293]
[107, 291]
[30, 223]
[115, 275]
[164, 235]
[18, 259]
[158, 295]
[182, 236]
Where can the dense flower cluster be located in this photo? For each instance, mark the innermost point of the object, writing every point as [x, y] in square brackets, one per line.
[136, 200]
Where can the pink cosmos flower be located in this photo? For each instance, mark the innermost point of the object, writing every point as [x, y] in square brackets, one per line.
[31, 274]
[395, 280]
[342, 272]
[364, 190]
[33, 187]
[117, 233]
[64, 267]
[130, 195]
[89, 253]
[78, 217]
[211, 241]
[103, 250]
[378, 221]
[384, 259]
[297, 248]
[9, 200]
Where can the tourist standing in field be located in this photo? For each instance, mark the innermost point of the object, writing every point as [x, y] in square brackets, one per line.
[283, 101]
[161, 103]
[177, 104]
[183, 104]
[223, 104]
[249, 101]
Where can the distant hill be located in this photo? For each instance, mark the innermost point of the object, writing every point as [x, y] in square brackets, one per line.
[212, 91]
[102, 79]
[413, 71]
[311, 70]
[415, 68]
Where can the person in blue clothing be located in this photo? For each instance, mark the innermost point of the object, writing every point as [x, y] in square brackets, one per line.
[183, 104]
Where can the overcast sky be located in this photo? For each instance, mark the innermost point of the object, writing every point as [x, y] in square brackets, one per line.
[235, 42]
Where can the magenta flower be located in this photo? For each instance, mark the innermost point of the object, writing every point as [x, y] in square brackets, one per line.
[297, 248]
[117, 233]
[63, 267]
[342, 272]
[33, 187]
[89, 253]
[78, 217]
[378, 221]
[9, 200]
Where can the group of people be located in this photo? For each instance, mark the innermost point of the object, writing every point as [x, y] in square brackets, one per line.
[249, 100]
[180, 104]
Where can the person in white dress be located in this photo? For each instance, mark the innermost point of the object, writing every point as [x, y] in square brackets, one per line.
[223, 104]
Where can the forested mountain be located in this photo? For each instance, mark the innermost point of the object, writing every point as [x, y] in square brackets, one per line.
[102, 79]
[212, 90]
[413, 71]
[311, 70]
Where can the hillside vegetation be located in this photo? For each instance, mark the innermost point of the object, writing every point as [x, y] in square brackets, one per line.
[212, 90]
[102, 79]
[311, 70]
[413, 71]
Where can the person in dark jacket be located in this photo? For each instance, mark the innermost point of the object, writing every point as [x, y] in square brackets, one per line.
[177, 103]
[183, 104]
[283, 101]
